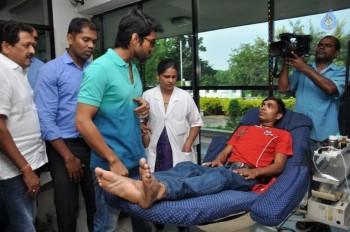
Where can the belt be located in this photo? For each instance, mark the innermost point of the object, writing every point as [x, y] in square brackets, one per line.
[75, 140]
[238, 165]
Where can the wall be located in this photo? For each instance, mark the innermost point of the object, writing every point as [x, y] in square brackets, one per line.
[63, 12]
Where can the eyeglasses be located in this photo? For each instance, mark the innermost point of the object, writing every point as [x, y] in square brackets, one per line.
[151, 41]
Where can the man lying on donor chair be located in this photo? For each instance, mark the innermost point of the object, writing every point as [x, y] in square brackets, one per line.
[252, 155]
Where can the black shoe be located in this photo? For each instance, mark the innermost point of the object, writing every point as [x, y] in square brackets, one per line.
[304, 225]
[320, 227]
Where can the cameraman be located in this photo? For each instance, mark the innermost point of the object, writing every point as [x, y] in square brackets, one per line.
[318, 87]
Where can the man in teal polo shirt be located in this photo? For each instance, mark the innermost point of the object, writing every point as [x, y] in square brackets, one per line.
[110, 106]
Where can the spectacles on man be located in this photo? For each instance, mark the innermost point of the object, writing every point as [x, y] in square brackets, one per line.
[151, 41]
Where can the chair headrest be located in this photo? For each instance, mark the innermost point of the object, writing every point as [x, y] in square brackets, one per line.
[290, 120]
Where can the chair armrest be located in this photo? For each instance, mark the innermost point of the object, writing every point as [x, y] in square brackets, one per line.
[273, 206]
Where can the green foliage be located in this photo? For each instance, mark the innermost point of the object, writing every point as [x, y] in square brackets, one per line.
[240, 106]
[235, 107]
[248, 64]
[178, 48]
[211, 106]
[339, 32]
[214, 106]
[289, 103]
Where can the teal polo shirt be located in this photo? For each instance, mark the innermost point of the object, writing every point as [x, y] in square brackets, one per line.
[106, 84]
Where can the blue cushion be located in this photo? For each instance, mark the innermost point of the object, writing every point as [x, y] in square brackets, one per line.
[190, 211]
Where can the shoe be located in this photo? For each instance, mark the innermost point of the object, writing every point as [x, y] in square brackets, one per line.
[304, 225]
[320, 227]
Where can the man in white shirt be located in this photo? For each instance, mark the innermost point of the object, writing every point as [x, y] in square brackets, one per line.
[21, 149]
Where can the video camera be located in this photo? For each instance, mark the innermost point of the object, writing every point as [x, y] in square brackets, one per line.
[290, 42]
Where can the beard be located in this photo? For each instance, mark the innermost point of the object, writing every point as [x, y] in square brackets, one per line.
[141, 57]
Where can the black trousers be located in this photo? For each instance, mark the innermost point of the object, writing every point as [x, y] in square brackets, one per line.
[66, 193]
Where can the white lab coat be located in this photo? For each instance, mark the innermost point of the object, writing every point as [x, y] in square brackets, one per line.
[182, 114]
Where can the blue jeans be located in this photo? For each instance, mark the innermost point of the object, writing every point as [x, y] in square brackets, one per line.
[106, 216]
[17, 210]
[187, 179]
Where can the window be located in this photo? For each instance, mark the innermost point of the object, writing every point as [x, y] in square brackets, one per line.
[233, 67]
[37, 14]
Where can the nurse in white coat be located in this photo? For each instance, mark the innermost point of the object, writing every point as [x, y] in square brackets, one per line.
[171, 134]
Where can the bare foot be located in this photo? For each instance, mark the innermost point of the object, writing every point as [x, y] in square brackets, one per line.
[153, 190]
[121, 186]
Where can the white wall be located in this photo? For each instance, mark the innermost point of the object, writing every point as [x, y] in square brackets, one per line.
[63, 12]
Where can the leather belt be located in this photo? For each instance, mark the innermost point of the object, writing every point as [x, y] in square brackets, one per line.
[238, 165]
[74, 140]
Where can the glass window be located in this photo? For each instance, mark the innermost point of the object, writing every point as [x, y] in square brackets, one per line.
[237, 57]
[336, 23]
[35, 13]
[177, 48]
[233, 54]
[175, 42]
[222, 111]
[26, 11]
[110, 26]
[43, 51]
[328, 22]
[233, 38]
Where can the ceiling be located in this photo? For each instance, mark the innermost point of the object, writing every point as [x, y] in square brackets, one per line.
[219, 14]
[212, 14]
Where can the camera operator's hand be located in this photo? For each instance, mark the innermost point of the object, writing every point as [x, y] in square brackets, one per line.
[296, 62]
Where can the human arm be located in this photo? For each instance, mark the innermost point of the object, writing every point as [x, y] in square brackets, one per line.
[221, 158]
[195, 121]
[9, 148]
[83, 121]
[271, 170]
[283, 82]
[194, 131]
[319, 80]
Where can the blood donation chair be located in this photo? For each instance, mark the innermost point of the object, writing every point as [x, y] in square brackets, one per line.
[269, 208]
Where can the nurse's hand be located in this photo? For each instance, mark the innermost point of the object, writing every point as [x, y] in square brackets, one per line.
[187, 148]
[143, 110]
[145, 130]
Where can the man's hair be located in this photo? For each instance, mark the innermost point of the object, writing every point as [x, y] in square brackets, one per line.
[136, 21]
[164, 64]
[9, 31]
[76, 25]
[336, 41]
[281, 106]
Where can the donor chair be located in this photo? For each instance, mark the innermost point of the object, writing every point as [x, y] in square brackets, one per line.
[269, 208]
